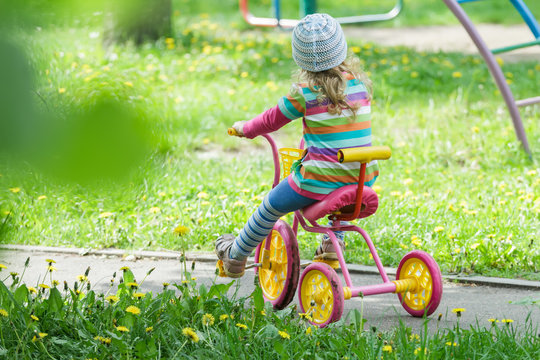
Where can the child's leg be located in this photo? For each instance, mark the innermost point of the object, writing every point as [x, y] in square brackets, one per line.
[280, 201]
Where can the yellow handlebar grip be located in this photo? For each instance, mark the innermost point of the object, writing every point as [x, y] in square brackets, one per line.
[232, 132]
[364, 154]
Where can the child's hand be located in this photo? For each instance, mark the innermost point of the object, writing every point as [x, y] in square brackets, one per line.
[239, 127]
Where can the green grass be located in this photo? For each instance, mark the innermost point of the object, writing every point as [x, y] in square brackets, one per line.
[186, 321]
[457, 186]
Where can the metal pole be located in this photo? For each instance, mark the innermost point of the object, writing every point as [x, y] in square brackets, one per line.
[308, 7]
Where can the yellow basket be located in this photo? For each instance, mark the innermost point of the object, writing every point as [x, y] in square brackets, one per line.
[288, 157]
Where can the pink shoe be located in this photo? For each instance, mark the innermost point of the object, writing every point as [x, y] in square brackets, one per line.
[233, 268]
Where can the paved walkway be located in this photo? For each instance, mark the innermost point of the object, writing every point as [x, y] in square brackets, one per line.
[383, 311]
[451, 38]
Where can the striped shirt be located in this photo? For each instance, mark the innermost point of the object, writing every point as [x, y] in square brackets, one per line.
[319, 172]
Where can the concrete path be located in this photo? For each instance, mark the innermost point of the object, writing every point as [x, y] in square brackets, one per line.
[451, 38]
[382, 311]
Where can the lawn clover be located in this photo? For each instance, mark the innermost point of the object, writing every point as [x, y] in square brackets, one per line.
[133, 310]
[190, 334]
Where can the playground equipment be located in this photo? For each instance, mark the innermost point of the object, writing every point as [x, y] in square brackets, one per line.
[309, 7]
[321, 294]
[493, 65]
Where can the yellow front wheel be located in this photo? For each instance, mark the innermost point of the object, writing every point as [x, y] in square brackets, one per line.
[426, 295]
[278, 275]
[321, 294]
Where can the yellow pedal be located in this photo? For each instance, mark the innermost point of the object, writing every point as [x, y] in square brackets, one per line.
[219, 266]
[334, 264]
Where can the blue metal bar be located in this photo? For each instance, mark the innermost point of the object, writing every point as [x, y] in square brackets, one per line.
[466, 1]
[527, 15]
[277, 10]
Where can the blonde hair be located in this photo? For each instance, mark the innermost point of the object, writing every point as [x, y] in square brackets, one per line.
[331, 84]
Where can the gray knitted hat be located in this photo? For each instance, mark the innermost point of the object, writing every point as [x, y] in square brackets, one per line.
[318, 43]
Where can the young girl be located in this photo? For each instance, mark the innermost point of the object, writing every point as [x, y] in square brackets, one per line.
[334, 102]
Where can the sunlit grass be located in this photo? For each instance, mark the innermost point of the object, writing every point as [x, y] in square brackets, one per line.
[457, 186]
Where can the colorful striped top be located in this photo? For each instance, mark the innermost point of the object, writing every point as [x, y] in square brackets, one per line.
[319, 172]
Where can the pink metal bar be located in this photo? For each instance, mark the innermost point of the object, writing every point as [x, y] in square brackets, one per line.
[529, 101]
[265, 22]
[384, 288]
[275, 156]
[374, 253]
[495, 70]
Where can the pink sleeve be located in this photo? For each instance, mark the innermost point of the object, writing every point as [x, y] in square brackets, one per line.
[267, 122]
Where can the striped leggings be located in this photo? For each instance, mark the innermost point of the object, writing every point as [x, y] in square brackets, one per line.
[280, 201]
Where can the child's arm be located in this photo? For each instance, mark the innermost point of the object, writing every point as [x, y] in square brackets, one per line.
[289, 107]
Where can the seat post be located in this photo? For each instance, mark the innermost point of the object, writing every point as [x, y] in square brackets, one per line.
[359, 192]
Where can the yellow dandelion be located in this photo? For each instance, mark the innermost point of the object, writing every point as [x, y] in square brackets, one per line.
[223, 317]
[82, 278]
[15, 190]
[203, 195]
[122, 329]
[51, 268]
[308, 331]
[241, 326]
[449, 343]
[416, 241]
[356, 49]
[34, 317]
[112, 298]
[190, 334]
[133, 310]
[181, 230]
[493, 320]
[263, 313]
[2, 266]
[44, 286]
[105, 214]
[132, 285]
[408, 181]
[414, 337]
[50, 261]
[42, 197]
[138, 295]
[128, 83]
[61, 90]
[414, 74]
[418, 350]
[438, 229]
[55, 282]
[475, 129]
[387, 348]
[124, 268]
[149, 329]
[208, 320]
[507, 321]
[284, 334]
[457, 74]
[42, 335]
[458, 311]
[3, 313]
[32, 290]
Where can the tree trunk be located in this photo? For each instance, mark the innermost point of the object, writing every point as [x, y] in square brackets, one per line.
[138, 21]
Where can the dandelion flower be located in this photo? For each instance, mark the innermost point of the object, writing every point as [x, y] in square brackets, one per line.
[181, 230]
[32, 290]
[124, 268]
[42, 197]
[241, 326]
[15, 190]
[308, 331]
[42, 335]
[50, 261]
[457, 74]
[223, 317]
[132, 285]
[133, 310]
[112, 298]
[449, 343]
[284, 334]
[438, 229]
[493, 320]
[82, 278]
[458, 311]
[44, 286]
[203, 195]
[122, 329]
[105, 214]
[208, 320]
[138, 295]
[2, 266]
[387, 348]
[149, 329]
[507, 321]
[61, 90]
[34, 317]
[3, 313]
[191, 334]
